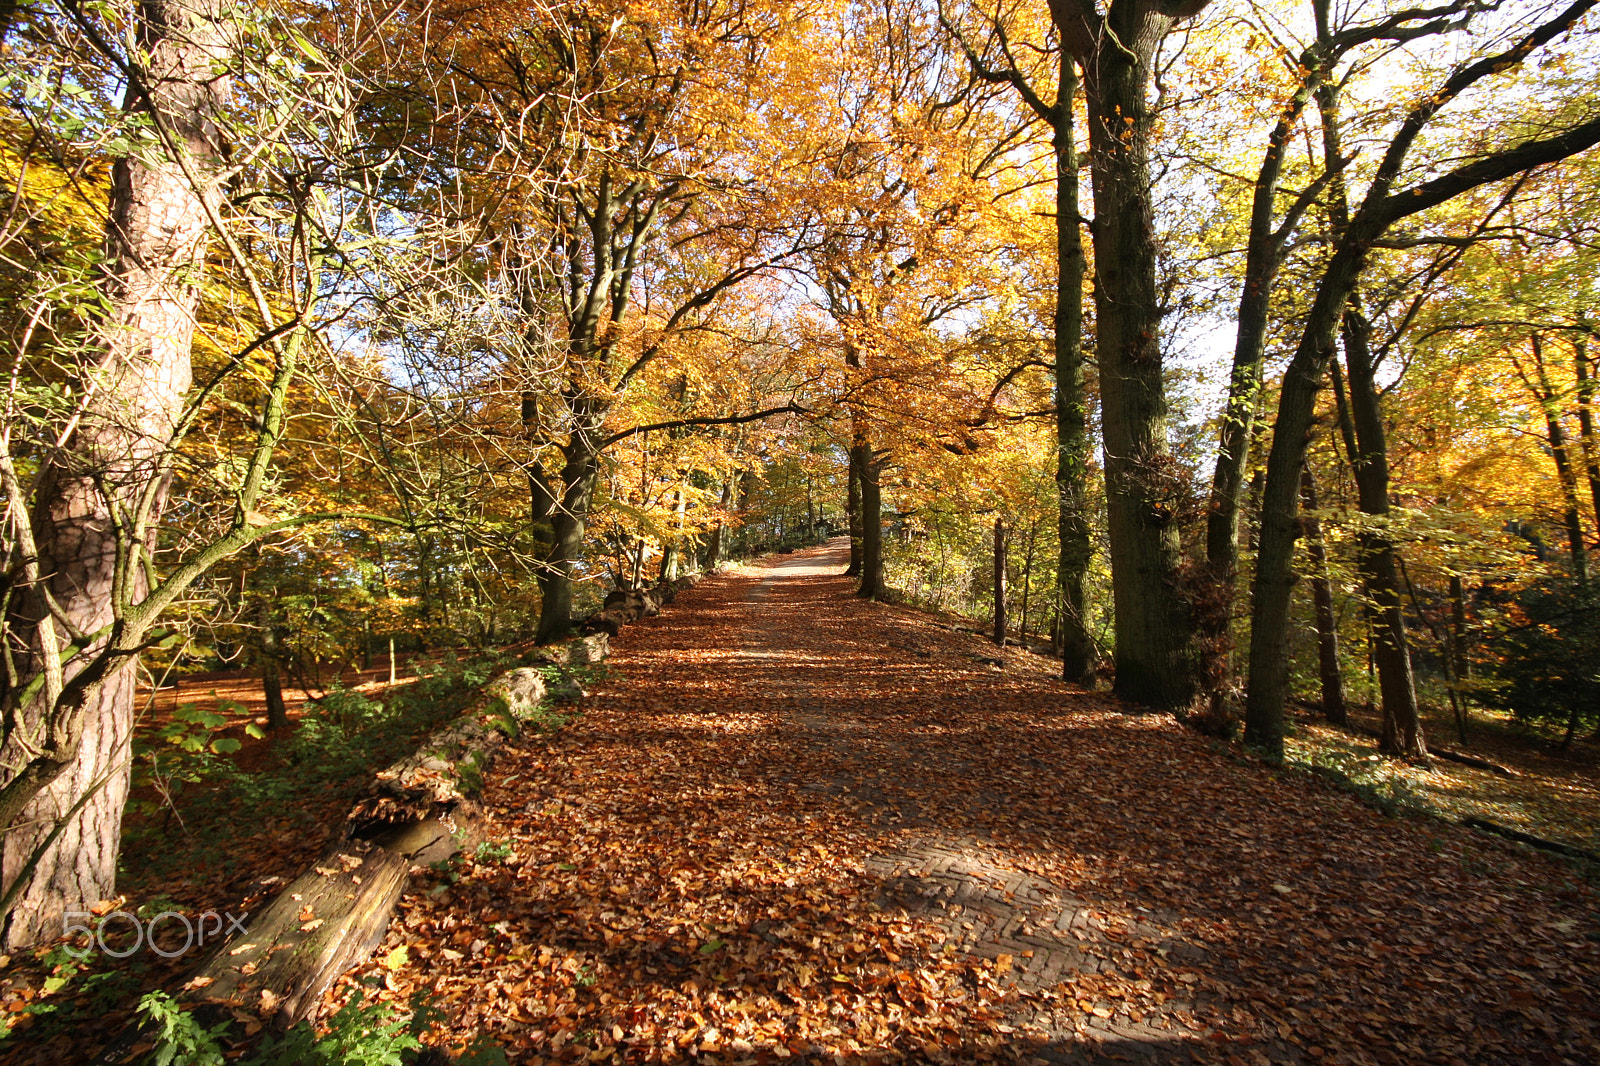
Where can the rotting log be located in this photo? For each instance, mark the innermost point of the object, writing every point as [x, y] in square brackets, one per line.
[327, 921]
[625, 606]
[421, 809]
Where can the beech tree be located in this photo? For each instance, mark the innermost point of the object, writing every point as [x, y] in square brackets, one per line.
[1387, 200]
[996, 60]
[1115, 45]
[1271, 228]
[68, 683]
[88, 469]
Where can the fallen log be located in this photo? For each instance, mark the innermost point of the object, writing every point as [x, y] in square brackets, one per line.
[421, 809]
[1528, 838]
[1472, 760]
[327, 921]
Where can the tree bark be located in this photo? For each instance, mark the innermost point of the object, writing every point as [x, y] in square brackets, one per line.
[1334, 706]
[563, 517]
[1382, 206]
[1589, 443]
[852, 509]
[1376, 557]
[271, 667]
[1263, 257]
[868, 466]
[1156, 660]
[1566, 475]
[109, 479]
[1072, 401]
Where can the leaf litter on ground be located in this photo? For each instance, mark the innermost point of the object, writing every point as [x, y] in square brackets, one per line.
[687, 874]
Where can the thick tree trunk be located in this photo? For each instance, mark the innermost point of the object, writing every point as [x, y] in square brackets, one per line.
[868, 466]
[1155, 650]
[1072, 402]
[1268, 686]
[156, 244]
[1334, 706]
[1000, 582]
[852, 510]
[562, 522]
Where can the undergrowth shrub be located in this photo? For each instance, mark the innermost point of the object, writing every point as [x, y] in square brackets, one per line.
[340, 739]
[1546, 662]
[360, 1033]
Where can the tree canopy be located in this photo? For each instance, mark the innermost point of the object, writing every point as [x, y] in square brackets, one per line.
[339, 326]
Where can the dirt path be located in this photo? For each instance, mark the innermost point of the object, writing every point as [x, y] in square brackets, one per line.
[796, 826]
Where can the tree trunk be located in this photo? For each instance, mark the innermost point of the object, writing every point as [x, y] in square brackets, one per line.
[1458, 627]
[673, 549]
[156, 246]
[869, 466]
[1072, 401]
[719, 535]
[1000, 581]
[1376, 558]
[1268, 686]
[1566, 476]
[1027, 579]
[561, 525]
[1155, 651]
[852, 509]
[1334, 706]
[1588, 442]
[271, 673]
[1263, 257]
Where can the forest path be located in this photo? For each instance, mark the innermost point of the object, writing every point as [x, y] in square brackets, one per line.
[793, 825]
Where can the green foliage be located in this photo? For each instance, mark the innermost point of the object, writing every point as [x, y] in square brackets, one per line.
[360, 1033]
[493, 851]
[187, 750]
[1546, 664]
[1379, 782]
[469, 775]
[182, 1041]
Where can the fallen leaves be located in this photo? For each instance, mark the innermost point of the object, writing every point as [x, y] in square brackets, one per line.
[692, 875]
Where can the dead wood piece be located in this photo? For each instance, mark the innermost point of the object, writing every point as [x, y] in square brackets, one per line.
[329, 919]
[1529, 839]
[623, 607]
[446, 771]
[1471, 760]
[422, 810]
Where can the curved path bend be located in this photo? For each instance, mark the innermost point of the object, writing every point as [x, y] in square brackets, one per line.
[794, 826]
